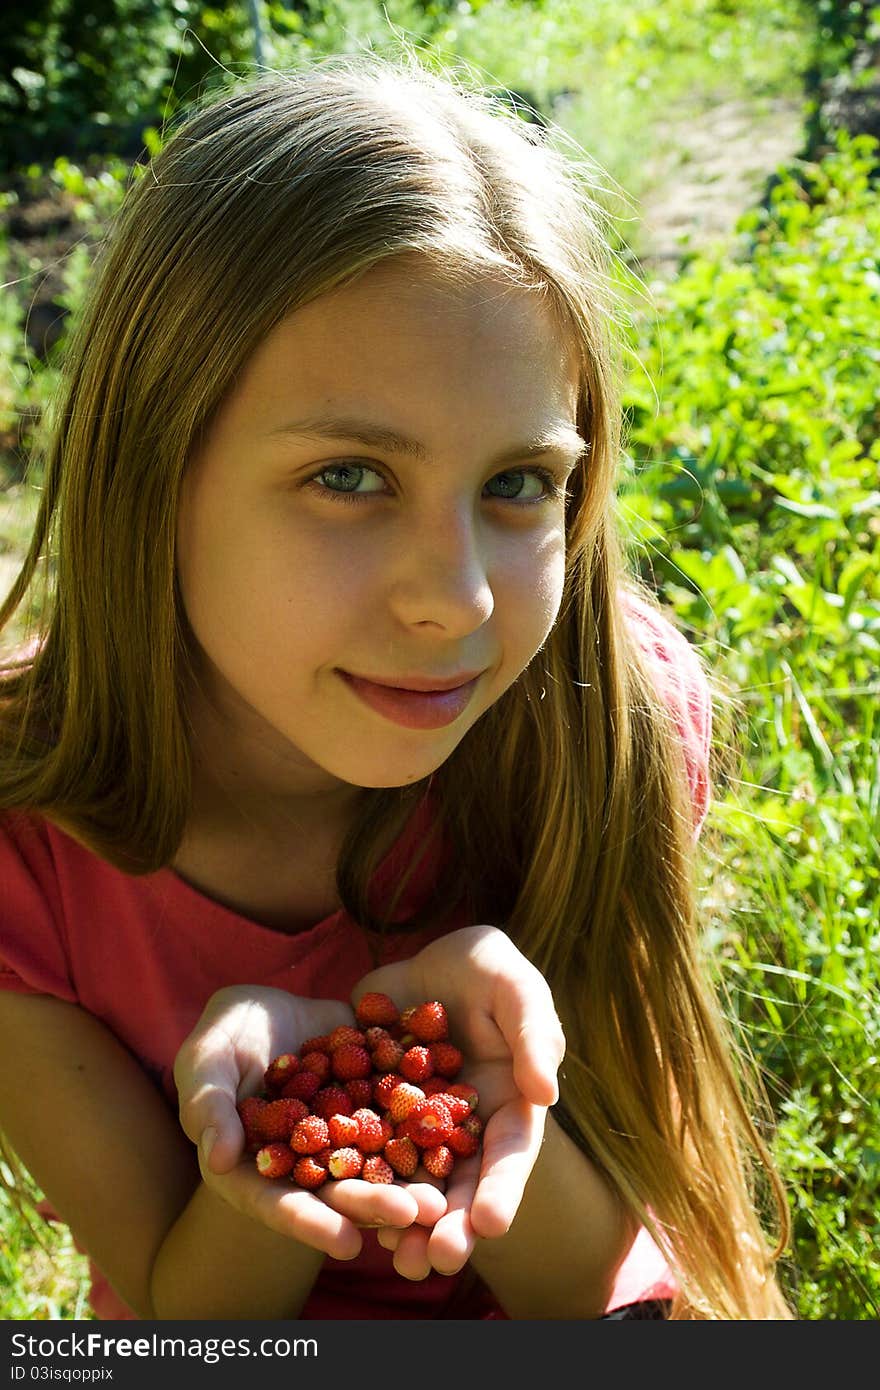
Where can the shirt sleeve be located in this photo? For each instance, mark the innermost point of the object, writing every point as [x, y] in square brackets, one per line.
[683, 685]
[33, 957]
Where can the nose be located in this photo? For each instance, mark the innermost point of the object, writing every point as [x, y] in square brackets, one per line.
[441, 575]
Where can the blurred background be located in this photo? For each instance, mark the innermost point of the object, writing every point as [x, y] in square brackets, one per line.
[740, 143]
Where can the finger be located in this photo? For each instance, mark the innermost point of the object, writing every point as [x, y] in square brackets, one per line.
[525, 1013]
[511, 1143]
[430, 1198]
[451, 1242]
[411, 1255]
[389, 1237]
[369, 1203]
[221, 1143]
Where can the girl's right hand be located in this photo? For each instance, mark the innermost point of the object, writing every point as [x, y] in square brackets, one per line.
[240, 1031]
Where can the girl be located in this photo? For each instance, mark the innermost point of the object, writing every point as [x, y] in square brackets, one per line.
[344, 686]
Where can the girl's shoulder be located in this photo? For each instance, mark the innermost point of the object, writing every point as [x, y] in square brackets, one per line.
[682, 682]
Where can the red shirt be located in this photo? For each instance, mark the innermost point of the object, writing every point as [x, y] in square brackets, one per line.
[143, 954]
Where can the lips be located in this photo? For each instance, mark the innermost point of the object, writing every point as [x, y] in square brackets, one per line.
[410, 708]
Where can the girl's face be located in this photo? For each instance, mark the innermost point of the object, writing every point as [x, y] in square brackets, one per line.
[370, 502]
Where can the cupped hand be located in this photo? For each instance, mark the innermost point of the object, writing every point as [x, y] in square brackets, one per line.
[502, 1016]
[223, 1059]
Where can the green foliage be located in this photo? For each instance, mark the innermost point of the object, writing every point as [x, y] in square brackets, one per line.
[751, 499]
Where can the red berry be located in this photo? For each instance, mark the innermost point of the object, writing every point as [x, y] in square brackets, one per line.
[402, 1100]
[279, 1070]
[310, 1135]
[331, 1100]
[376, 1008]
[319, 1044]
[309, 1172]
[302, 1086]
[371, 1136]
[472, 1124]
[387, 1055]
[275, 1160]
[438, 1162]
[383, 1086]
[467, 1092]
[428, 1022]
[429, 1123]
[343, 1130]
[316, 1062]
[278, 1117]
[351, 1062]
[416, 1065]
[446, 1058]
[377, 1169]
[456, 1105]
[403, 1156]
[373, 1036]
[345, 1034]
[360, 1092]
[345, 1163]
[462, 1142]
[249, 1111]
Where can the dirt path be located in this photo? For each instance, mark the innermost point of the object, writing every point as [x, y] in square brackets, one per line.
[712, 168]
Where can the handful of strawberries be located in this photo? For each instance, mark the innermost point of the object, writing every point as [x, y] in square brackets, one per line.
[371, 1102]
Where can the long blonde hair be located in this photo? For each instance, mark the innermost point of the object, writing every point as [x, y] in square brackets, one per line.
[264, 199]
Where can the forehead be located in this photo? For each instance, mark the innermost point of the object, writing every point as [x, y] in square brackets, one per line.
[401, 333]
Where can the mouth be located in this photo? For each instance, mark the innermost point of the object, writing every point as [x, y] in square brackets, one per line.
[413, 708]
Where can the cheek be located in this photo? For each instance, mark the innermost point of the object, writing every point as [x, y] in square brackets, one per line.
[536, 585]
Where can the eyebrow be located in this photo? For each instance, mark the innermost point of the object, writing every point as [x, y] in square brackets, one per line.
[562, 439]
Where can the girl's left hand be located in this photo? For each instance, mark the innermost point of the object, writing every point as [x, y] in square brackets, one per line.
[502, 1016]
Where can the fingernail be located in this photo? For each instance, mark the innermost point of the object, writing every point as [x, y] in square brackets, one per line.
[207, 1141]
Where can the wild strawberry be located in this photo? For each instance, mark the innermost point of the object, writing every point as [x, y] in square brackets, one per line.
[317, 1044]
[308, 1171]
[345, 1034]
[446, 1058]
[456, 1105]
[331, 1100]
[429, 1022]
[302, 1086]
[377, 1169]
[343, 1130]
[309, 1135]
[345, 1163]
[387, 1055]
[249, 1111]
[466, 1091]
[402, 1100]
[374, 1036]
[472, 1124]
[316, 1062]
[435, 1086]
[403, 1156]
[439, 1162]
[360, 1091]
[371, 1136]
[429, 1123]
[376, 1008]
[279, 1070]
[462, 1142]
[275, 1160]
[384, 1086]
[351, 1062]
[278, 1117]
[415, 1064]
